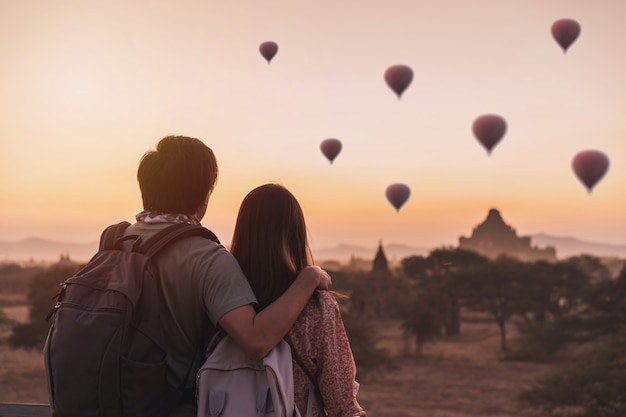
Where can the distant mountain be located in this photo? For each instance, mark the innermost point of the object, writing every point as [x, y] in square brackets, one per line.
[49, 251]
[344, 252]
[569, 246]
[565, 247]
[37, 249]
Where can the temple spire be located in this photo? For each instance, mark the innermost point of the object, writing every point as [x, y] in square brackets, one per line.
[380, 260]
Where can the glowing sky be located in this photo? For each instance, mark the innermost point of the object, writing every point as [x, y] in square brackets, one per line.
[87, 87]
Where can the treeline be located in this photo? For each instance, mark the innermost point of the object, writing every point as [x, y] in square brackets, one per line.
[15, 278]
[42, 285]
[571, 312]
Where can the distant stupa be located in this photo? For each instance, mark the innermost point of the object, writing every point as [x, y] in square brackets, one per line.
[380, 263]
[494, 237]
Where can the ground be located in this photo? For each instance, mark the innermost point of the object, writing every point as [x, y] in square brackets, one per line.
[462, 376]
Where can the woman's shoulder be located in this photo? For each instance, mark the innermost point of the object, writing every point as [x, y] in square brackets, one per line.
[327, 297]
[321, 310]
[321, 303]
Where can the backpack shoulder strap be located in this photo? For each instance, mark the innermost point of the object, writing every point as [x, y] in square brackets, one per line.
[166, 236]
[111, 234]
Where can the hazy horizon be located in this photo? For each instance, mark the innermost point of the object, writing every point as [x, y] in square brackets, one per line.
[39, 249]
[340, 243]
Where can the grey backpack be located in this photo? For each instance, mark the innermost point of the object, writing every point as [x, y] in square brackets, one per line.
[231, 384]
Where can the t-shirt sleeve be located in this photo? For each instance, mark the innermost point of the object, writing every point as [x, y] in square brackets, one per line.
[223, 285]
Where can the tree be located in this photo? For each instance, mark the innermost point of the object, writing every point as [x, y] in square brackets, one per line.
[363, 340]
[554, 289]
[495, 287]
[15, 278]
[419, 321]
[554, 293]
[592, 266]
[356, 285]
[41, 292]
[581, 311]
[416, 267]
[605, 309]
[594, 383]
[445, 263]
[435, 308]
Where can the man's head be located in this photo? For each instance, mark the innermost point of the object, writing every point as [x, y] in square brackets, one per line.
[178, 176]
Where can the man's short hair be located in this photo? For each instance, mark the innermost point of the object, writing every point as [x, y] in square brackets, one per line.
[177, 176]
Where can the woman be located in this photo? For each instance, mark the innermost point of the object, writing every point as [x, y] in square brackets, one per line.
[270, 244]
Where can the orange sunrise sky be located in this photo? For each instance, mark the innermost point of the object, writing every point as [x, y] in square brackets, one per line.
[87, 87]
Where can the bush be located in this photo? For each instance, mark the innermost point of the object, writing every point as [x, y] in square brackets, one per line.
[41, 298]
[363, 340]
[15, 279]
[420, 321]
[28, 335]
[4, 320]
[592, 385]
[539, 341]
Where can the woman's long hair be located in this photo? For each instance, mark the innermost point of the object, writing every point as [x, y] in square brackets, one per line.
[270, 241]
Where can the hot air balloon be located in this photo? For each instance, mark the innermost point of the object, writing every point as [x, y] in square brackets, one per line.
[398, 194]
[565, 32]
[398, 78]
[590, 166]
[330, 148]
[489, 129]
[268, 50]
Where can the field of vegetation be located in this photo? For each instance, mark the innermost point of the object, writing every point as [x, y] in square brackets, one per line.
[460, 376]
[476, 337]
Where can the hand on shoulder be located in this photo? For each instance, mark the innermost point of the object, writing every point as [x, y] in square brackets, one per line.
[315, 272]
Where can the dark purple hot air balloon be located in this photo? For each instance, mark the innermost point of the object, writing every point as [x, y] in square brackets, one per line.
[398, 194]
[330, 148]
[268, 49]
[590, 166]
[489, 130]
[565, 32]
[398, 78]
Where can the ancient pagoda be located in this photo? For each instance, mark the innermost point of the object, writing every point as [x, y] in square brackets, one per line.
[494, 237]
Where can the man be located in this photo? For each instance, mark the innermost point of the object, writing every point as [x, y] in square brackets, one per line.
[203, 286]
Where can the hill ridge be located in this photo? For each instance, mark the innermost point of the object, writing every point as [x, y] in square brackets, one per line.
[40, 249]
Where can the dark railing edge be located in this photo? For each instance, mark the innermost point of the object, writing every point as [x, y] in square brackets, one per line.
[24, 410]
